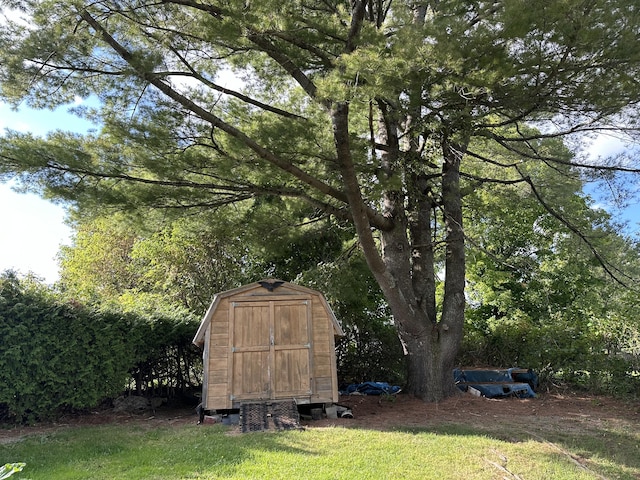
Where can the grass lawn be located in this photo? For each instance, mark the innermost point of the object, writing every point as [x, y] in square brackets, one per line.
[449, 451]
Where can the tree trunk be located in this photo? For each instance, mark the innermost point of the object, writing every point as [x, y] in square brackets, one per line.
[432, 353]
[404, 267]
[430, 363]
[431, 341]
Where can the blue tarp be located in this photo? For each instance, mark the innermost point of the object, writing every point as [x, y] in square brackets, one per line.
[510, 382]
[370, 388]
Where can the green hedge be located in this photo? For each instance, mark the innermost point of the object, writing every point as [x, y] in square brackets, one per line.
[166, 363]
[57, 355]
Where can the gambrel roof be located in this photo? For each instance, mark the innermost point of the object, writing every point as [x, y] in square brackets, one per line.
[268, 287]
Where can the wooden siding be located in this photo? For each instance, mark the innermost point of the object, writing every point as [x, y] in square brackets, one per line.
[262, 345]
[218, 361]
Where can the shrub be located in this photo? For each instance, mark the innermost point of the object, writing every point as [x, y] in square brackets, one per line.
[55, 355]
[166, 362]
[577, 352]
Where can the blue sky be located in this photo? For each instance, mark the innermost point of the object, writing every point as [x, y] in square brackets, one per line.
[628, 210]
[32, 229]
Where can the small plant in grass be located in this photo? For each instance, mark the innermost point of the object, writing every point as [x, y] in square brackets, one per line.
[9, 469]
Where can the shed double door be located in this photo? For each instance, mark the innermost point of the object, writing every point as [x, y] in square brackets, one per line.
[271, 349]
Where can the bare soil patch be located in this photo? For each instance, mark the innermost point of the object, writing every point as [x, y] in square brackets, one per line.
[166, 416]
[557, 409]
[561, 412]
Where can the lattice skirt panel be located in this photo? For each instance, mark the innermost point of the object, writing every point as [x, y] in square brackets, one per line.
[285, 415]
[254, 417]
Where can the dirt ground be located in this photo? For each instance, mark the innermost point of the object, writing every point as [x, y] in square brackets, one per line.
[562, 411]
[406, 411]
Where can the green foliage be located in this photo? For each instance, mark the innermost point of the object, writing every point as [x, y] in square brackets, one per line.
[165, 362]
[539, 299]
[570, 352]
[371, 349]
[120, 264]
[58, 355]
[55, 355]
[299, 250]
[98, 267]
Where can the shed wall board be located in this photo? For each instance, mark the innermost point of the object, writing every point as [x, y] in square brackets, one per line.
[205, 368]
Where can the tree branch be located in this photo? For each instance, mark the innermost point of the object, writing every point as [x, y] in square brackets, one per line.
[284, 61]
[206, 7]
[237, 191]
[327, 61]
[505, 142]
[210, 117]
[233, 93]
[558, 216]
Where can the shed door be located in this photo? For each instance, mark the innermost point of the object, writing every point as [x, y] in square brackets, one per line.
[271, 349]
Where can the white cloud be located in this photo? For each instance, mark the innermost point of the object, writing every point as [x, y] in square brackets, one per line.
[32, 231]
[13, 15]
[605, 146]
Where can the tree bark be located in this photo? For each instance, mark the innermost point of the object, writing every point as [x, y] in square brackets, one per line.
[403, 262]
[432, 351]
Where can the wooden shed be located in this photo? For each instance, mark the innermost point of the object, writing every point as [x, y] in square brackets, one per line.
[268, 341]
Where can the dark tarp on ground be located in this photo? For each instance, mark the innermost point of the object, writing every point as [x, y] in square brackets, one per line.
[510, 382]
[370, 388]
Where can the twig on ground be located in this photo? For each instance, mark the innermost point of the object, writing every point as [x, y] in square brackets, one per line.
[568, 455]
[504, 470]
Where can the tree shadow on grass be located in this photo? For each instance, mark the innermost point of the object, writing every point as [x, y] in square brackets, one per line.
[609, 450]
[107, 452]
